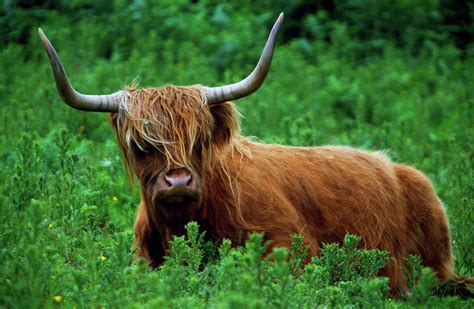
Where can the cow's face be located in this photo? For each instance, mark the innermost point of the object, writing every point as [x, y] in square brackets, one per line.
[173, 190]
[172, 140]
[171, 137]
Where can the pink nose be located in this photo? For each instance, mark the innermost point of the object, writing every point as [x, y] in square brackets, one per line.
[178, 179]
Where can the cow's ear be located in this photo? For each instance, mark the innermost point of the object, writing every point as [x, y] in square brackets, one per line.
[113, 119]
[226, 123]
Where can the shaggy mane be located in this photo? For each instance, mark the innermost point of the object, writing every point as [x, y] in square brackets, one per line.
[177, 122]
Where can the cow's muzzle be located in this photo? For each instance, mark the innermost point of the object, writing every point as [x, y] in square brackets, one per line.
[178, 187]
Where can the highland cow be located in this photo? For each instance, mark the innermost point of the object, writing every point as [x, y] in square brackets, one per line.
[185, 147]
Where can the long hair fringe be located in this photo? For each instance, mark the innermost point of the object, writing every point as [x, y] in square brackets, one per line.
[177, 123]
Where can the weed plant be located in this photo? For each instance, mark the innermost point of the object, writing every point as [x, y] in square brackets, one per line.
[396, 77]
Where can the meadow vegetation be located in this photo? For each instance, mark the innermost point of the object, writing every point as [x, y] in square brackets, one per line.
[376, 75]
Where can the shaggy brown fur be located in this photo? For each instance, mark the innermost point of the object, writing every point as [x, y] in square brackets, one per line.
[319, 192]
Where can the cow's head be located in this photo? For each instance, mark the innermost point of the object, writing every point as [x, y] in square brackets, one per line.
[171, 137]
[172, 141]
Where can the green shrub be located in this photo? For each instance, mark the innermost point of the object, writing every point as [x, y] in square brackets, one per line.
[374, 75]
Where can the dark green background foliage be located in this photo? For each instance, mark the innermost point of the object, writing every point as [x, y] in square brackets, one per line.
[380, 75]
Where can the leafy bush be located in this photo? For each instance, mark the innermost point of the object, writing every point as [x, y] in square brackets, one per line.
[375, 75]
[248, 273]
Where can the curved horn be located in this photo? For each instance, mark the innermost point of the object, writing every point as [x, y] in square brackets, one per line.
[85, 102]
[252, 82]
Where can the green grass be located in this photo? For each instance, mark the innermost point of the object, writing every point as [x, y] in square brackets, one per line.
[67, 209]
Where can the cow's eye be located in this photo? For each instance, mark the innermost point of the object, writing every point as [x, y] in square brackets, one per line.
[197, 149]
[150, 179]
[138, 152]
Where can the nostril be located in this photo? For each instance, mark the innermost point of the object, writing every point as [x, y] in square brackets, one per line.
[169, 181]
[189, 180]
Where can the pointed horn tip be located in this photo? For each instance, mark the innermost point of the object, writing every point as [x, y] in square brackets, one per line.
[46, 43]
[43, 37]
[279, 21]
[40, 32]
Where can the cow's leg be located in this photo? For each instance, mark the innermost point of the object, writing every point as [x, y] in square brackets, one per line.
[427, 222]
[437, 252]
[434, 245]
[148, 240]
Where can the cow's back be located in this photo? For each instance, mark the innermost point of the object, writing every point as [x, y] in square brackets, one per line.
[325, 192]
